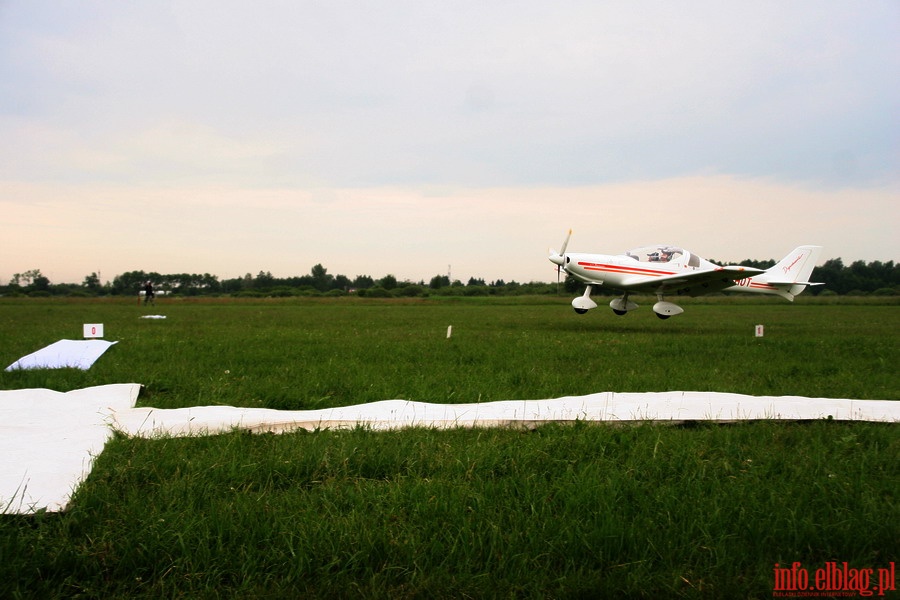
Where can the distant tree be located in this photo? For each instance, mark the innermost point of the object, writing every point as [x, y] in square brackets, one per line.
[40, 284]
[439, 281]
[231, 286]
[263, 281]
[758, 264]
[374, 292]
[410, 290]
[388, 282]
[210, 283]
[131, 281]
[341, 282]
[474, 281]
[321, 279]
[27, 278]
[830, 275]
[190, 284]
[363, 282]
[92, 282]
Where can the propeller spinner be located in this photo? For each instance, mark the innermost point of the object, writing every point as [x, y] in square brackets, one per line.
[560, 259]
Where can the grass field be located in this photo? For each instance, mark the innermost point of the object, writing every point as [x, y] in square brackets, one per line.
[563, 511]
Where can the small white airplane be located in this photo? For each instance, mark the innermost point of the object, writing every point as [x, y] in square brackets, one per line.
[669, 270]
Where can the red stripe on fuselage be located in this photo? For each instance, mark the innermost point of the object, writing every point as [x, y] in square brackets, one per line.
[588, 266]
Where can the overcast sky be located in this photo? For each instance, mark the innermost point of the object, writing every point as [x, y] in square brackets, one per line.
[224, 137]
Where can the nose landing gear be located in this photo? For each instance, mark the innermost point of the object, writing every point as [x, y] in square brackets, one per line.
[583, 303]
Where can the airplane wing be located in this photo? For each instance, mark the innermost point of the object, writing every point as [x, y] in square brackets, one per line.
[695, 283]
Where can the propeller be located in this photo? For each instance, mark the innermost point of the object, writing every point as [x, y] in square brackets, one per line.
[559, 259]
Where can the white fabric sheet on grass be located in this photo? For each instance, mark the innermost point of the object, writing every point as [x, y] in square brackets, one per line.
[48, 442]
[78, 354]
[606, 406]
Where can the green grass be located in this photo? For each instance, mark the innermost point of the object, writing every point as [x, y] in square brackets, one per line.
[562, 511]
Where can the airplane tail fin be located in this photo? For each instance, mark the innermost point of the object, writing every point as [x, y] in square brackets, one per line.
[790, 276]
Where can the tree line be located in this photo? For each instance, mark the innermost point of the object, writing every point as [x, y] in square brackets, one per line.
[857, 278]
[318, 282]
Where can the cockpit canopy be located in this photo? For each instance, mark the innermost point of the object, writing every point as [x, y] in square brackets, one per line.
[663, 254]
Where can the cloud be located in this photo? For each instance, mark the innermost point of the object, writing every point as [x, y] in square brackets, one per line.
[575, 94]
[406, 137]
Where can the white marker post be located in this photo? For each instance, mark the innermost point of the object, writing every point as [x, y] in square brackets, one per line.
[449, 331]
[760, 331]
[93, 330]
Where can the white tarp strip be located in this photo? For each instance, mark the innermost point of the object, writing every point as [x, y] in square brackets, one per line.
[48, 442]
[79, 354]
[607, 406]
[48, 439]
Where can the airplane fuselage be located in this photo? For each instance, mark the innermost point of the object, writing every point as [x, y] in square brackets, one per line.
[670, 270]
[605, 269]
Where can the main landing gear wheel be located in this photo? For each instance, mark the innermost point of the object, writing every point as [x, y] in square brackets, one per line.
[621, 313]
[664, 309]
[581, 311]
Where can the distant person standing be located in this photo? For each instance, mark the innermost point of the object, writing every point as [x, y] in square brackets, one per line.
[148, 293]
